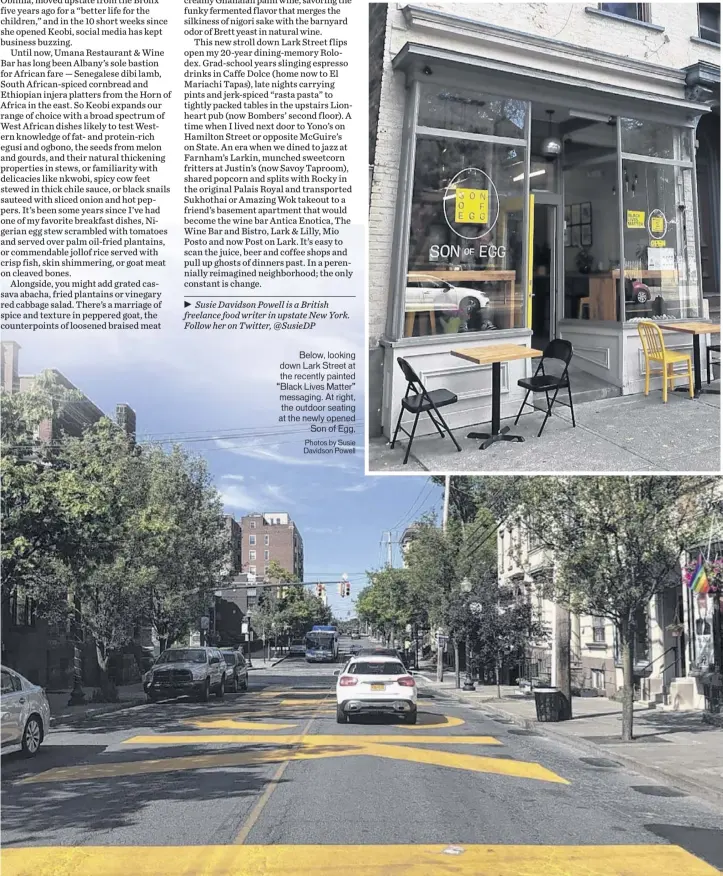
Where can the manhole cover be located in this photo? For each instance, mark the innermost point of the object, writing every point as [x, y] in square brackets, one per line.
[658, 791]
[519, 732]
[600, 762]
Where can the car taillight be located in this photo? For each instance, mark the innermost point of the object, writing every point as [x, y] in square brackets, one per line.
[406, 681]
[347, 680]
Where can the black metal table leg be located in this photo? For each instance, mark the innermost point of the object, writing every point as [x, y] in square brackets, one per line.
[698, 388]
[497, 434]
[698, 370]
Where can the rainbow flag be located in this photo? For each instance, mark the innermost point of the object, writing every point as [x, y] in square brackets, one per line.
[699, 580]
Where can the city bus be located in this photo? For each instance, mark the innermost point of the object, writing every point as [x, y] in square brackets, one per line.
[322, 644]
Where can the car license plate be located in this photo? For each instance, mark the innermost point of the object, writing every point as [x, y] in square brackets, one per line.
[377, 687]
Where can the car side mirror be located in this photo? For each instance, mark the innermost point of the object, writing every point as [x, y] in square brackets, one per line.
[337, 672]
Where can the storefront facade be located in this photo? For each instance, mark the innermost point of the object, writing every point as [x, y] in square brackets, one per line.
[528, 171]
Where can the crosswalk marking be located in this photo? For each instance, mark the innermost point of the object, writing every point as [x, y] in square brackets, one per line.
[372, 860]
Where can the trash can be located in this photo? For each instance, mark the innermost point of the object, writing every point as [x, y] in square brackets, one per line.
[550, 704]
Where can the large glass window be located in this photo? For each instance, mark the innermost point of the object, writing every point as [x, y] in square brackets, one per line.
[474, 112]
[466, 238]
[661, 279]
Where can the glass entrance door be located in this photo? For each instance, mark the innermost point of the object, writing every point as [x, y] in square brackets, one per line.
[545, 258]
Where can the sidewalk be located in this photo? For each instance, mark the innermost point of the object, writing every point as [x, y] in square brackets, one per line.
[629, 433]
[674, 748]
[62, 713]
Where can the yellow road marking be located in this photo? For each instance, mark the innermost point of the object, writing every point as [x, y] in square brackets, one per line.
[258, 808]
[320, 860]
[315, 739]
[306, 748]
[447, 721]
[285, 691]
[233, 724]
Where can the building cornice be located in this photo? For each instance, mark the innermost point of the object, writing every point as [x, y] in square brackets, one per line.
[583, 58]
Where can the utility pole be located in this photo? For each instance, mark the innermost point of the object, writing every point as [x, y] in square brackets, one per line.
[445, 518]
[389, 549]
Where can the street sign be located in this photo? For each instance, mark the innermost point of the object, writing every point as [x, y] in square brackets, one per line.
[245, 627]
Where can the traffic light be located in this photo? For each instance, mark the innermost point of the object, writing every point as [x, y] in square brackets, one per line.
[340, 588]
[347, 589]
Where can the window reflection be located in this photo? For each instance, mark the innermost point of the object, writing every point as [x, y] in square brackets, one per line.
[466, 242]
[658, 228]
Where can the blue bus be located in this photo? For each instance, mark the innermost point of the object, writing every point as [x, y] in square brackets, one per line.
[322, 644]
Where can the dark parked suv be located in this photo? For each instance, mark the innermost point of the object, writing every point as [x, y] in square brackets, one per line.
[237, 673]
[190, 671]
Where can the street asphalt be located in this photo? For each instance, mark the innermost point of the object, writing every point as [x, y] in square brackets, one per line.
[257, 782]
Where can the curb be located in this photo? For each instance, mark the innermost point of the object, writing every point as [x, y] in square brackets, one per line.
[710, 795]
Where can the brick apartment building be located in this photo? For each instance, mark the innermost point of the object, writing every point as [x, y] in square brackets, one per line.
[271, 536]
[41, 651]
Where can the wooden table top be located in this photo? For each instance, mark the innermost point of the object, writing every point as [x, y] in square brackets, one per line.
[692, 328]
[496, 353]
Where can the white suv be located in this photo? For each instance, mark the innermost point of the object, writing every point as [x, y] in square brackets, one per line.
[374, 685]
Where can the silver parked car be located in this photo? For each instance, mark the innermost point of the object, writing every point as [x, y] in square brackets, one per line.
[24, 712]
[186, 671]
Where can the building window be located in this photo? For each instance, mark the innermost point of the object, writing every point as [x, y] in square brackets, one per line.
[252, 539]
[252, 524]
[661, 274]
[598, 629]
[598, 679]
[709, 22]
[266, 555]
[266, 570]
[252, 555]
[636, 11]
[466, 232]
[252, 570]
[266, 539]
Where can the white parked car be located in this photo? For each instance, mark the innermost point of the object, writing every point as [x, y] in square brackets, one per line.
[375, 685]
[24, 712]
[434, 294]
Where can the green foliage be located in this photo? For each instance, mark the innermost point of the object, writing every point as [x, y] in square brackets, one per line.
[98, 528]
[617, 541]
[290, 610]
[39, 528]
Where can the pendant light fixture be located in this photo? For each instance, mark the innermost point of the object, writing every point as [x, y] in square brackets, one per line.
[551, 146]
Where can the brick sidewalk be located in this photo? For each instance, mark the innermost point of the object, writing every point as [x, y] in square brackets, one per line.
[674, 748]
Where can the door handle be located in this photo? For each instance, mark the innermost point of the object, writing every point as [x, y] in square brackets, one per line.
[21, 700]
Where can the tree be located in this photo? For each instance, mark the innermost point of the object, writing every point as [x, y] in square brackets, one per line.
[495, 628]
[179, 542]
[100, 477]
[38, 528]
[388, 603]
[616, 543]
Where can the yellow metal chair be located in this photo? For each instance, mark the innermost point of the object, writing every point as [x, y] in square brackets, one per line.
[654, 350]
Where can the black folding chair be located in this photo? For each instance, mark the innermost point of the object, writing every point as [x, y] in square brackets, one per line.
[557, 350]
[417, 400]
[714, 348]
